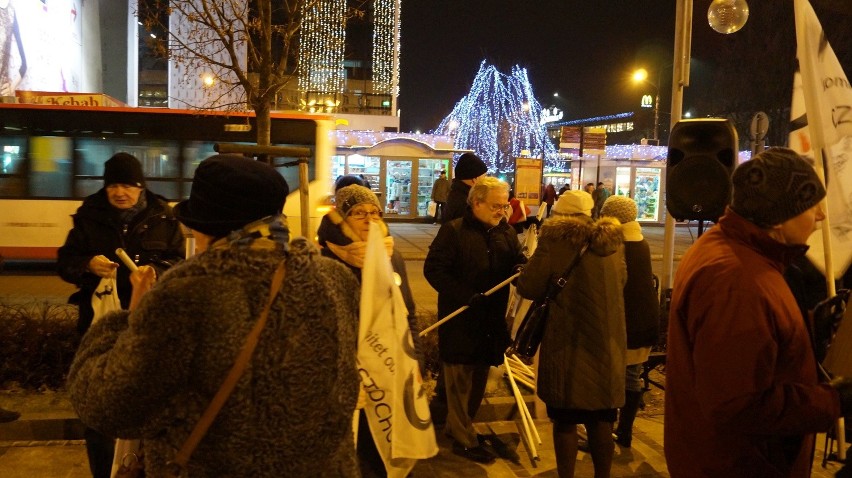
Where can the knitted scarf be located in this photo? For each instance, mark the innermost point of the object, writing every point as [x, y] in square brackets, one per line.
[347, 245]
[269, 233]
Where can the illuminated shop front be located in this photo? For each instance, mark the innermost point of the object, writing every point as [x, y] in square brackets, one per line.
[399, 167]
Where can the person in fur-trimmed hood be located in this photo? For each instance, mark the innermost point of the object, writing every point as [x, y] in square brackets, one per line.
[151, 372]
[582, 362]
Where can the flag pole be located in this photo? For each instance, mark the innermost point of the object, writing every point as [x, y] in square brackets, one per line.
[810, 87]
[465, 307]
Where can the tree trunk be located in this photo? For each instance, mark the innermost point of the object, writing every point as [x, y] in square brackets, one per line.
[261, 112]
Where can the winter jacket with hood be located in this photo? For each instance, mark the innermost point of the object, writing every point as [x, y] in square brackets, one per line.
[742, 395]
[151, 373]
[582, 364]
[468, 257]
[153, 237]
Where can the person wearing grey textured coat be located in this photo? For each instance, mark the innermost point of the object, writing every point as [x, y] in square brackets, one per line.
[150, 373]
[581, 368]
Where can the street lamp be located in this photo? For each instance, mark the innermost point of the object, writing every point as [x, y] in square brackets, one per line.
[640, 76]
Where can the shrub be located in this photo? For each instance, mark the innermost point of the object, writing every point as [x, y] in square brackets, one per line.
[39, 342]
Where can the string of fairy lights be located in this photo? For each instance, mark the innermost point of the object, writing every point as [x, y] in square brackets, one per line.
[323, 42]
[321, 47]
[385, 44]
[500, 119]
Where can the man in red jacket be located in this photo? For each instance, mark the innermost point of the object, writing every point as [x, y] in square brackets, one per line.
[743, 398]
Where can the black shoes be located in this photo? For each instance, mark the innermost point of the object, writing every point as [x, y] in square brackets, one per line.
[500, 447]
[623, 440]
[8, 415]
[477, 453]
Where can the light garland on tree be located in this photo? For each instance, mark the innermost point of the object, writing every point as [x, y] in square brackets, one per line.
[385, 45]
[498, 119]
[321, 47]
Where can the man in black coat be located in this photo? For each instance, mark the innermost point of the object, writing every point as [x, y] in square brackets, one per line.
[469, 256]
[469, 169]
[121, 214]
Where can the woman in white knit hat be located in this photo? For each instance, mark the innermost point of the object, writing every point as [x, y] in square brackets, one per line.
[581, 368]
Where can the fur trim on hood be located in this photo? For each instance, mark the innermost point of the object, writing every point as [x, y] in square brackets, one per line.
[605, 234]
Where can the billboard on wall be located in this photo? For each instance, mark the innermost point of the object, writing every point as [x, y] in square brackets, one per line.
[40, 45]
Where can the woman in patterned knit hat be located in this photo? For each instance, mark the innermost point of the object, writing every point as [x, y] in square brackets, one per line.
[343, 237]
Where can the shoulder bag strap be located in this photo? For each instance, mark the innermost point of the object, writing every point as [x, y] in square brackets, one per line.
[181, 459]
[559, 283]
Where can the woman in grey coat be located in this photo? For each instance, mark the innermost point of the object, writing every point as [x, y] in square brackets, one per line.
[581, 367]
[149, 373]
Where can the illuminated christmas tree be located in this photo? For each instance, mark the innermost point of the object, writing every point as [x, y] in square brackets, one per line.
[498, 119]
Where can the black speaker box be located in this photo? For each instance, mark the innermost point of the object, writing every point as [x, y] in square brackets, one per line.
[702, 155]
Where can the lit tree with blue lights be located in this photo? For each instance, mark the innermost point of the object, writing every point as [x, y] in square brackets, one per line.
[498, 119]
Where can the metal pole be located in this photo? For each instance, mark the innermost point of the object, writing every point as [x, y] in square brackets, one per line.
[657, 117]
[680, 80]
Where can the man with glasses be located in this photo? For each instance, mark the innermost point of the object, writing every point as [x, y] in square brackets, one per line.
[343, 236]
[469, 256]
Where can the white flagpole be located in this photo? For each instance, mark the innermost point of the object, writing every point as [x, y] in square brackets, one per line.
[810, 88]
[465, 307]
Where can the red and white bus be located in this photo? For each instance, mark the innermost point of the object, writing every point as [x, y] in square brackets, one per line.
[51, 157]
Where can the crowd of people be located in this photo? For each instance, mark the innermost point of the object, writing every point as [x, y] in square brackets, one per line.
[743, 396]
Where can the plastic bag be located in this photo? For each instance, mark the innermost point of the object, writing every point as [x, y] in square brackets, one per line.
[432, 208]
[105, 298]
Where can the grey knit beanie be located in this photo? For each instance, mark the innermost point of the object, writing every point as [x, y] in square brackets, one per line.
[622, 208]
[350, 196]
[776, 185]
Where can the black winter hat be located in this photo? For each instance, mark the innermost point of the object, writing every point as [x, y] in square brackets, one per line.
[469, 166]
[123, 168]
[230, 191]
[776, 185]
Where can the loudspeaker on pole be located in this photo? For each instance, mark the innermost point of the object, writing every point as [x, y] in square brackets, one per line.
[701, 158]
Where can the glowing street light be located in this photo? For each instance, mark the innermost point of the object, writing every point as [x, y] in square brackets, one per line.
[641, 76]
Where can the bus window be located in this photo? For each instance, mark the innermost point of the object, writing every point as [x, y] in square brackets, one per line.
[50, 166]
[159, 159]
[12, 171]
[194, 152]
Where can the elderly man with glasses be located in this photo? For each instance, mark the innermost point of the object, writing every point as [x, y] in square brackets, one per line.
[470, 255]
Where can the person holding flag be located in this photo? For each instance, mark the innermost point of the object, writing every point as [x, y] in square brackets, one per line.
[343, 237]
[470, 255]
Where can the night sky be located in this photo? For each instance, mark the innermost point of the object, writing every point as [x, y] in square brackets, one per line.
[584, 50]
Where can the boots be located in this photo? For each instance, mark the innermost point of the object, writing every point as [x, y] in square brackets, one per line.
[624, 432]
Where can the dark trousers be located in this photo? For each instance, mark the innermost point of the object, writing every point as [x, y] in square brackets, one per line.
[100, 450]
[369, 459]
[440, 210]
[465, 386]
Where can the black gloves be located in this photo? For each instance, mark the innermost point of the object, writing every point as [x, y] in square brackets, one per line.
[475, 300]
[843, 386]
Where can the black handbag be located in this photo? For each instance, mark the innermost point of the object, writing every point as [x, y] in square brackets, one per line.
[531, 331]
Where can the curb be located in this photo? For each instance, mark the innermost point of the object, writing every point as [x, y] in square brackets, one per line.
[42, 430]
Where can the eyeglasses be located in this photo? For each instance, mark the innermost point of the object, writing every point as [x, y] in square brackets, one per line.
[499, 207]
[363, 214]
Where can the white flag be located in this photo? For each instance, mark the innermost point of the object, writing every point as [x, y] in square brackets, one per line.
[821, 122]
[397, 408]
